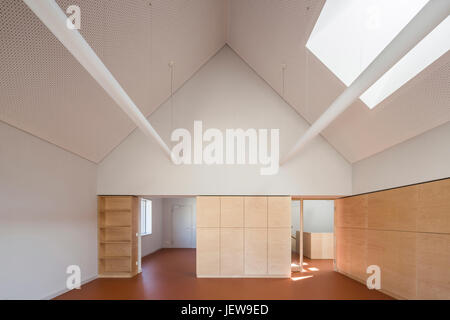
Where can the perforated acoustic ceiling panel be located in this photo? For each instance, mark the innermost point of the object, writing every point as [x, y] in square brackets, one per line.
[267, 34]
[46, 92]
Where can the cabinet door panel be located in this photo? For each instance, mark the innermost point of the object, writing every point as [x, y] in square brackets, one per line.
[279, 211]
[255, 251]
[279, 251]
[231, 251]
[255, 212]
[208, 212]
[208, 252]
[231, 211]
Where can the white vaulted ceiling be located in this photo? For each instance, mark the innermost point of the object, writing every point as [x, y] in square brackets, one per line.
[47, 93]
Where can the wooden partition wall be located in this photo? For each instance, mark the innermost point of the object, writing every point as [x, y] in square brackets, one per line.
[405, 231]
[243, 236]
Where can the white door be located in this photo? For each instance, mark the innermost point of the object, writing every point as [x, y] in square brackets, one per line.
[182, 234]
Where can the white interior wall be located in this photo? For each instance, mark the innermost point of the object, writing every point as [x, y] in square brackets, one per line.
[48, 216]
[225, 93]
[422, 158]
[154, 241]
[318, 216]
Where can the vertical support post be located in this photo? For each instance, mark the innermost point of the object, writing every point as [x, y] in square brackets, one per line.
[334, 239]
[301, 236]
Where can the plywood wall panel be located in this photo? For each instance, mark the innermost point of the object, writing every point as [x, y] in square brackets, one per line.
[394, 209]
[208, 212]
[404, 282]
[352, 212]
[279, 251]
[343, 249]
[377, 244]
[434, 207]
[398, 267]
[231, 251]
[231, 212]
[407, 236]
[255, 212]
[358, 255]
[277, 208]
[433, 266]
[256, 251]
[208, 251]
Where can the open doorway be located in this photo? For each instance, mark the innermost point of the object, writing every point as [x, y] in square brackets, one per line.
[166, 222]
[312, 235]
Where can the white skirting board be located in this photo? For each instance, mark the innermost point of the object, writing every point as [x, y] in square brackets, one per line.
[60, 292]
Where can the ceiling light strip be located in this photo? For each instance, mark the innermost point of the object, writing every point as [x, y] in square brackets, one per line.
[54, 18]
[433, 13]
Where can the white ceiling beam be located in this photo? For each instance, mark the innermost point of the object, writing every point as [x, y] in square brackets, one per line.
[54, 18]
[433, 13]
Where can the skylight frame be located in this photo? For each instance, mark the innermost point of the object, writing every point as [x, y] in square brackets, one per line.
[346, 41]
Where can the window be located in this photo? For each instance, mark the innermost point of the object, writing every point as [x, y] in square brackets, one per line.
[146, 217]
[350, 34]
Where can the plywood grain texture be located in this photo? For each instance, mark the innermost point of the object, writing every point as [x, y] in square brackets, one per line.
[277, 208]
[208, 251]
[255, 212]
[231, 251]
[256, 251]
[318, 245]
[279, 251]
[407, 236]
[231, 212]
[208, 212]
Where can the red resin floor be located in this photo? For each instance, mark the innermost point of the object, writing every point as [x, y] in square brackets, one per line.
[170, 274]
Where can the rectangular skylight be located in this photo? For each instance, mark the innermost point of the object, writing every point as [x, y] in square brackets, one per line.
[350, 34]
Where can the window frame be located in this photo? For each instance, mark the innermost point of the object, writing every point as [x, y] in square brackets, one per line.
[146, 216]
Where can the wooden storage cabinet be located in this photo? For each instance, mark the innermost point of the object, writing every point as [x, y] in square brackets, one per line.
[117, 236]
[241, 236]
[255, 251]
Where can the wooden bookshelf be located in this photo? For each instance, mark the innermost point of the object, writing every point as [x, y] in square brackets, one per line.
[117, 236]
